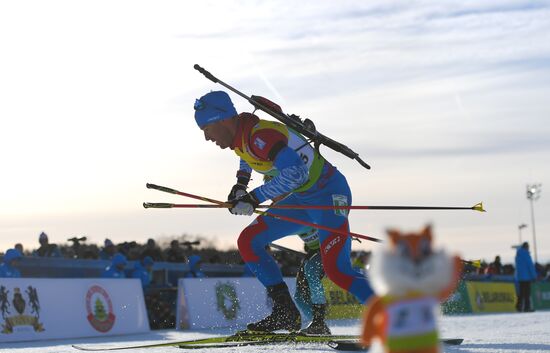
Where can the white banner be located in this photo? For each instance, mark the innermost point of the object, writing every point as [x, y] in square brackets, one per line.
[222, 302]
[46, 308]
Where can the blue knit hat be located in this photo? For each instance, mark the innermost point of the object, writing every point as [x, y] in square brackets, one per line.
[213, 107]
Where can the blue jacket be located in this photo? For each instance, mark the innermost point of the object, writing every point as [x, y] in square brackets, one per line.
[141, 273]
[194, 269]
[112, 271]
[525, 269]
[6, 269]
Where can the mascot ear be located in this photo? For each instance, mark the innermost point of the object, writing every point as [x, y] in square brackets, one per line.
[427, 231]
[394, 235]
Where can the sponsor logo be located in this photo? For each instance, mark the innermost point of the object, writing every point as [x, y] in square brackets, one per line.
[340, 200]
[331, 244]
[227, 300]
[22, 313]
[213, 118]
[259, 143]
[100, 309]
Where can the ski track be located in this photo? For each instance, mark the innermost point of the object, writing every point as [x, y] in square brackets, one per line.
[488, 333]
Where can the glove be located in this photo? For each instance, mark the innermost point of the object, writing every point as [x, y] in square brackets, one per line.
[244, 205]
[237, 191]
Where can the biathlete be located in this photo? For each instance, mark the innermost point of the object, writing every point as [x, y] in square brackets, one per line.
[297, 169]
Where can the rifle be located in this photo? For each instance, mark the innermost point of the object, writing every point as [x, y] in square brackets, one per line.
[305, 127]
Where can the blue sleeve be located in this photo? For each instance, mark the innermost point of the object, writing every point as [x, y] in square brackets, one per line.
[244, 167]
[244, 173]
[293, 173]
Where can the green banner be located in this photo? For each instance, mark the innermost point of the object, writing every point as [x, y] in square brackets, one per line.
[540, 295]
[341, 304]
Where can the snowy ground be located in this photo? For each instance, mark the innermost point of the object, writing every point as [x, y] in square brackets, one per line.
[505, 333]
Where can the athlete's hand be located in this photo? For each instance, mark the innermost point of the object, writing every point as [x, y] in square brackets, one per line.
[237, 191]
[244, 205]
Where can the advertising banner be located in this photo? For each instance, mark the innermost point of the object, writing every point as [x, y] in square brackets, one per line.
[341, 303]
[486, 297]
[48, 308]
[222, 302]
[540, 296]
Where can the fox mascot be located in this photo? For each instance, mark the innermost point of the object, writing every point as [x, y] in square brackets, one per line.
[409, 279]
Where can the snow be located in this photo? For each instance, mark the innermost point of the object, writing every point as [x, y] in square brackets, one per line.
[488, 333]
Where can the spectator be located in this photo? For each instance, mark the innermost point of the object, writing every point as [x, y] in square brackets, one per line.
[175, 252]
[151, 249]
[116, 270]
[7, 268]
[46, 249]
[525, 274]
[19, 247]
[76, 249]
[144, 271]
[108, 251]
[495, 267]
[195, 262]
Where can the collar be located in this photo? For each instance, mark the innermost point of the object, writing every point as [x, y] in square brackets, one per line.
[246, 122]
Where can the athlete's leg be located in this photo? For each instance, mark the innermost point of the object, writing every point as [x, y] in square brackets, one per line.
[313, 270]
[263, 230]
[336, 248]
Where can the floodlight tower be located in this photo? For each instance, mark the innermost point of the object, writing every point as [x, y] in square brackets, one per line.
[533, 194]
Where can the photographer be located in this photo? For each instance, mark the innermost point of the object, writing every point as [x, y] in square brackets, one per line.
[175, 253]
[46, 249]
[76, 248]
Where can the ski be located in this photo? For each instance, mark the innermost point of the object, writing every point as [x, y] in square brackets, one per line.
[246, 338]
[354, 345]
[241, 338]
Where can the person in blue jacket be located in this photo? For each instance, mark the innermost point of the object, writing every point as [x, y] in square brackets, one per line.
[525, 274]
[143, 270]
[194, 267]
[7, 268]
[116, 270]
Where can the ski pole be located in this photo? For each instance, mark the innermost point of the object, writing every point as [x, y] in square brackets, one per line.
[263, 213]
[306, 127]
[476, 207]
[173, 191]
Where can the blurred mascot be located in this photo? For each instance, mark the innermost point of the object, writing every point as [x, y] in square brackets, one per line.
[409, 279]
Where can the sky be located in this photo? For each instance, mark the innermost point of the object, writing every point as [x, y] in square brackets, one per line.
[448, 102]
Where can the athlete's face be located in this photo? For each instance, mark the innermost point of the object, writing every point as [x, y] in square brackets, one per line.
[219, 133]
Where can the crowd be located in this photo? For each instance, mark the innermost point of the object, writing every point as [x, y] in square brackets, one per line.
[193, 252]
[198, 251]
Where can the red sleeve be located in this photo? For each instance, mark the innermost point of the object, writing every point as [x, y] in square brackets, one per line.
[266, 143]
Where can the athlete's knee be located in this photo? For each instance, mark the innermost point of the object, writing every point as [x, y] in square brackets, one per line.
[249, 243]
[336, 275]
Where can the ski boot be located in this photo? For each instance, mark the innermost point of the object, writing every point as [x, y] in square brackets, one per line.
[285, 315]
[317, 325]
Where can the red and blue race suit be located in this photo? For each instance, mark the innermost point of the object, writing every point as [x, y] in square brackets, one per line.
[298, 170]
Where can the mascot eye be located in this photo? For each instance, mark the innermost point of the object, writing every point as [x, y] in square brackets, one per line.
[425, 247]
[403, 249]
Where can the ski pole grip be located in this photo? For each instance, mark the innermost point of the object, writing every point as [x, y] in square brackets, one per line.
[207, 74]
